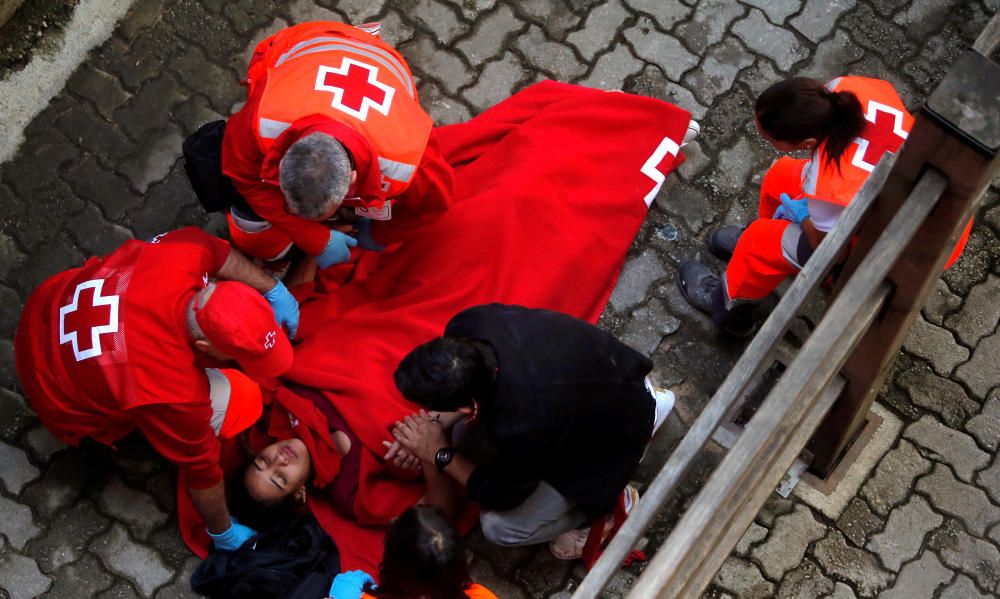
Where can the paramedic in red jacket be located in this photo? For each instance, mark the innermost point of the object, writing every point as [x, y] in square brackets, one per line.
[331, 129]
[123, 343]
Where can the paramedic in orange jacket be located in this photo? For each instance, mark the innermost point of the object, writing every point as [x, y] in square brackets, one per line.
[331, 129]
[847, 124]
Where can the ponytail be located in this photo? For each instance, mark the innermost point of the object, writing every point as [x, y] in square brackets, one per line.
[800, 108]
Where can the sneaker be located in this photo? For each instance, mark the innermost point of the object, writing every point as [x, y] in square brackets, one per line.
[692, 132]
[722, 242]
[569, 545]
[698, 284]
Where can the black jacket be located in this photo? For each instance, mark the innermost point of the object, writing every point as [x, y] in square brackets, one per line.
[568, 407]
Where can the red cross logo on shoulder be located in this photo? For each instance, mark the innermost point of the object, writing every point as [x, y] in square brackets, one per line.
[270, 339]
[83, 317]
[355, 88]
[885, 134]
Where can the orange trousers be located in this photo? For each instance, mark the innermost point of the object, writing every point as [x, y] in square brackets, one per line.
[758, 264]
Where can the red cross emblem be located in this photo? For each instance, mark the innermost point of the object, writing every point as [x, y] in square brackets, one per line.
[93, 318]
[655, 162]
[885, 134]
[355, 88]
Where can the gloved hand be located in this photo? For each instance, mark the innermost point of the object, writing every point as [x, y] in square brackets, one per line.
[233, 538]
[286, 308]
[793, 210]
[337, 250]
[350, 585]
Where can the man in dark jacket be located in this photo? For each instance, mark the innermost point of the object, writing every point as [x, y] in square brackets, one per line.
[551, 416]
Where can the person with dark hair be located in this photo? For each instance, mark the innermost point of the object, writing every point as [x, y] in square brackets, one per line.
[424, 559]
[848, 124]
[548, 417]
[331, 136]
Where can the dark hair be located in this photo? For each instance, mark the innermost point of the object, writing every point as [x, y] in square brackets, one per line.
[256, 514]
[424, 558]
[799, 108]
[444, 374]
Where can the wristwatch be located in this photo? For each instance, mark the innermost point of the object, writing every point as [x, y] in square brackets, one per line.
[443, 457]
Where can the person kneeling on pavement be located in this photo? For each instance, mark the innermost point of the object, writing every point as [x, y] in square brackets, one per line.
[123, 343]
[548, 417]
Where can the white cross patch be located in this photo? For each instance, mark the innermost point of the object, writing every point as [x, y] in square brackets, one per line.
[352, 96]
[95, 332]
[667, 146]
[270, 339]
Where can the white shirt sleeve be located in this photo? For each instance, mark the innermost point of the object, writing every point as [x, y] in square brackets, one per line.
[824, 215]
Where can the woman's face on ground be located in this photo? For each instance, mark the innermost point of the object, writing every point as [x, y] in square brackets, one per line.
[278, 471]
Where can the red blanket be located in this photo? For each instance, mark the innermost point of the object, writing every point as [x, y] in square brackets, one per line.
[551, 187]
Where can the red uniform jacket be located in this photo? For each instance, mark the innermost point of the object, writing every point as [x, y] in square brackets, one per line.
[104, 349]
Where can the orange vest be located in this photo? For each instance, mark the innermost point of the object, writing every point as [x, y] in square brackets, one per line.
[889, 123]
[476, 591]
[349, 76]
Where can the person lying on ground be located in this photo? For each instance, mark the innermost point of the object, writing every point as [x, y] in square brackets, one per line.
[553, 416]
[847, 125]
[123, 343]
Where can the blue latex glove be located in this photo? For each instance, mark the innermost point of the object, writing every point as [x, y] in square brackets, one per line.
[793, 210]
[286, 308]
[337, 250]
[350, 585]
[234, 537]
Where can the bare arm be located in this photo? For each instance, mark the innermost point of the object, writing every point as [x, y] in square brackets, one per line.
[238, 268]
[814, 235]
[211, 504]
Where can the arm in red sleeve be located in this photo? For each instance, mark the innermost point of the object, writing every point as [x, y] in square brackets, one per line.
[181, 433]
[427, 198]
[215, 251]
[269, 203]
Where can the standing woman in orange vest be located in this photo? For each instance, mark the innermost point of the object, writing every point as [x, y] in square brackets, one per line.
[331, 130]
[847, 125]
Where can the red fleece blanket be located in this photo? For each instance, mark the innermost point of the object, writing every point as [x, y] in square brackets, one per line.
[551, 188]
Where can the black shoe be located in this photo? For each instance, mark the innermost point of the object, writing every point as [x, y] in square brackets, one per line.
[698, 285]
[722, 242]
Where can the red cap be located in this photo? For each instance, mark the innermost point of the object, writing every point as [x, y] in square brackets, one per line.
[239, 322]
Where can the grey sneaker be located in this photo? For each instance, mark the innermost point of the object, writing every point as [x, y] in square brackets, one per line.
[722, 242]
[698, 284]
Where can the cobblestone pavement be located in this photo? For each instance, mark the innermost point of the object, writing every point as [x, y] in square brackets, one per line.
[100, 165]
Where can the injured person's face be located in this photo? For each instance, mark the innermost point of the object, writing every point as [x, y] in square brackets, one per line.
[278, 472]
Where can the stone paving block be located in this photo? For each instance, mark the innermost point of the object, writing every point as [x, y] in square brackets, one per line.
[443, 109]
[15, 416]
[819, 17]
[754, 533]
[877, 34]
[57, 203]
[94, 133]
[7, 375]
[651, 82]
[965, 502]
[138, 64]
[39, 163]
[439, 19]
[200, 75]
[759, 76]
[944, 397]
[137, 563]
[636, 277]
[940, 303]
[8, 319]
[502, 585]
[708, 24]
[666, 14]
[554, 15]
[648, 326]
[805, 582]
[777, 10]
[919, 579]
[141, 16]
[552, 57]
[660, 49]
[600, 26]
[246, 16]
[979, 314]
[985, 427]
[15, 469]
[780, 45]
[17, 523]
[962, 588]
[57, 255]
[180, 588]
[923, 17]
[42, 444]
[718, 70]
[613, 68]
[989, 480]
[67, 536]
[842, 591]
[135, 508]
[214, 33]
[154, 162]
[303, 11]
[98, 186]
[84, 578]
[975, 557]
[690, 204]
[982, 372]
[120, 590]
[20, 577]
[734, 166]
[496, 82]
[544, 574]
[695, 163]
[785, 547]
[448, 70]
[976, 261]
[488, 39]
[743, 578]
[63, 482]
[360, 11]
[948, 445]
[95, 235]
[855, 565]
[936, 345]
[858, 523]
[169, 545]
[472, 9]
[904, 532]
[894, 477]
[11, 256]
[195, 112]
[157, 97]
[103, 89]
